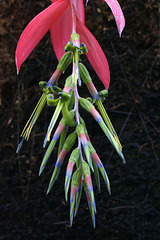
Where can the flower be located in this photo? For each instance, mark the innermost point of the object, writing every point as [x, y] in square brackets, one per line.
[58, 18]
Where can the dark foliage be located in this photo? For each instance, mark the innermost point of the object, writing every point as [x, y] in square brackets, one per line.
[133, 210]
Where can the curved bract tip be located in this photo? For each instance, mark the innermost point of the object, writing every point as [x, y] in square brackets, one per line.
[118, 14]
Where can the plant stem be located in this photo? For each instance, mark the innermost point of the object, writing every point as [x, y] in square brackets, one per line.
[75, 76]
[73, 18]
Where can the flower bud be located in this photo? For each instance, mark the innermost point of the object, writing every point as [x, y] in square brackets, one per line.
[74, 155]
[76, 177]
[69, 82]
[84, 74]
[75, 37]
[87, 105]
[64, 61]
[70, 141]
[80, 129]
[85, 168]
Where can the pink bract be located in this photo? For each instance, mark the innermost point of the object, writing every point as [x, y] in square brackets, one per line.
[58, 18]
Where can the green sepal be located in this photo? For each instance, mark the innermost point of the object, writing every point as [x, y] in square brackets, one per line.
[84, 74]
[67, 116]
[87, 105]
[69, 47]
[84, 125]
[51, 101]
[69, 83]
[70, 141]
[75, 36]
[76, 177]
[75, 155]
[80, 129]
[85, 168]
[64, 62]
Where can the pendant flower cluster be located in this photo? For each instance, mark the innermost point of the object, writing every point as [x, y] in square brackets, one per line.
[71, 39]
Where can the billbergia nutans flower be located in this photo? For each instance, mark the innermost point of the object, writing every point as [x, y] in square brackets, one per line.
[71, 38]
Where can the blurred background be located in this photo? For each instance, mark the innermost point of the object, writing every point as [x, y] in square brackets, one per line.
[133, 209]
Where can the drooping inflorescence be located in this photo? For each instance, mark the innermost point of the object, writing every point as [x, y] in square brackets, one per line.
[84, 159]
[65, 19]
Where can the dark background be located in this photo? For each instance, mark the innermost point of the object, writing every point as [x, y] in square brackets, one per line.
[133, 209]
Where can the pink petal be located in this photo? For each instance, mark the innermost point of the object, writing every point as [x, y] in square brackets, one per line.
[36, 29]
[61, 30]
[118, 14]
[95, 54]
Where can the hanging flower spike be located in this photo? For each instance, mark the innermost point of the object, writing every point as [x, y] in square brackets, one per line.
[65, 19]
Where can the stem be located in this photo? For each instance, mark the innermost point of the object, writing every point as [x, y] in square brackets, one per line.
[75, 75]
[76, 105]
[73, 17]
